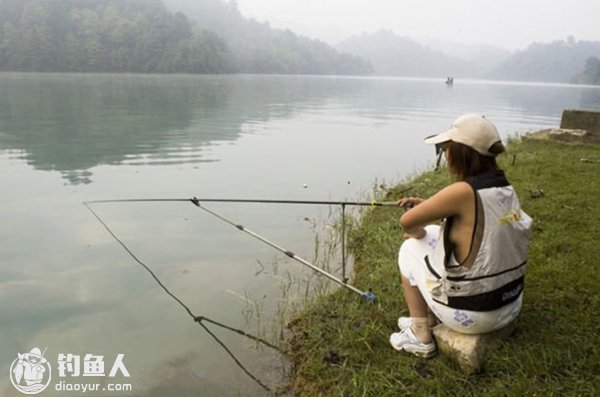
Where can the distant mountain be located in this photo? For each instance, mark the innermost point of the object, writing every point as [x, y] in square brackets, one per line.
[558, 61]
[482, 58]
[258, 48]
[393, 55]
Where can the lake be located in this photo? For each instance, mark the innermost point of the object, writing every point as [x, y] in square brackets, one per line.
[67, 286]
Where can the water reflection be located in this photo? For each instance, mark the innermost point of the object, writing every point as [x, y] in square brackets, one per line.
[72, 123]
[590, 99]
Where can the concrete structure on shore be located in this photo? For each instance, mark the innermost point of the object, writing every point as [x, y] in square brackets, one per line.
[576, 126]
[587, 120]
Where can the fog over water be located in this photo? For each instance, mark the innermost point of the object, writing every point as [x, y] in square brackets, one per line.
[510, 24]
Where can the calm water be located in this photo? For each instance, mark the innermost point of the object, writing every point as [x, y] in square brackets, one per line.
[65, 284]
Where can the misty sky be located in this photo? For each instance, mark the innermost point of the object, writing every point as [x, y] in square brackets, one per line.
[511, 24]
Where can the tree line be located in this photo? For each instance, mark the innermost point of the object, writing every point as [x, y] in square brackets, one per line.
[560, 61]
[143, 36]
[590, 73]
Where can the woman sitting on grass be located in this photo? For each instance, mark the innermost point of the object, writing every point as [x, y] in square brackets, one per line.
[470, 271]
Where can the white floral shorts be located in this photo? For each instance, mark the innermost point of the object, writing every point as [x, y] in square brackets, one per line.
[412, 266]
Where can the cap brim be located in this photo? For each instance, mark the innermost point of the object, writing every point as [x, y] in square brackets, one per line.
[439, 138]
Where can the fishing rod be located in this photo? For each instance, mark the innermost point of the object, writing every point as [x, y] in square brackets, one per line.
[343, 205]
[260, 201]
[367, 295]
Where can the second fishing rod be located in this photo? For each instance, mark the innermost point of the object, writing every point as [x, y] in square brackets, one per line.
[367, 295]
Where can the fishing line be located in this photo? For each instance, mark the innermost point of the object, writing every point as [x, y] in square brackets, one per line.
[154, 276]
[197, 319]
[254, 378]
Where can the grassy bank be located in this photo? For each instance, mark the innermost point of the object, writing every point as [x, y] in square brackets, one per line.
[339, 345]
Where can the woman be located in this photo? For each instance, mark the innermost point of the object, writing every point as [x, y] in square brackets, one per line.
[469, 272]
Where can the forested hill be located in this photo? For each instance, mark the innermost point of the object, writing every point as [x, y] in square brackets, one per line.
[143, 36]
[258, 48]
[393, 55]
[559, 61]
[104, 36]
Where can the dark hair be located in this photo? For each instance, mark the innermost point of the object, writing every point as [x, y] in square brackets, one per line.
[464, 162]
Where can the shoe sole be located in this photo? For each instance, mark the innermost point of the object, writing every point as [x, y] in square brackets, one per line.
[418, 352]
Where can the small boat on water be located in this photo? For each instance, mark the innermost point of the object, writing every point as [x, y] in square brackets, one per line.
[449, 80]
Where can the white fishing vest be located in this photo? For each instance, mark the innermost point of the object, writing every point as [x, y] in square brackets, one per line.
[493, 273]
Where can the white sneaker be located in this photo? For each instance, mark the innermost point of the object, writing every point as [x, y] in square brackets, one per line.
[404, 323]
[407, 341]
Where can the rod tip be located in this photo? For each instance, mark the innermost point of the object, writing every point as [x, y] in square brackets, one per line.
[369, 296]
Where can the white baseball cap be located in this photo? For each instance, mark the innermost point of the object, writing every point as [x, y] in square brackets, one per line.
[471, 129]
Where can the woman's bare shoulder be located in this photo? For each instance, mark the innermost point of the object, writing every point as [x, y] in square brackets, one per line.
[456, 191]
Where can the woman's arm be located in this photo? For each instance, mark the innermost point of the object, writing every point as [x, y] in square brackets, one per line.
[453, 200]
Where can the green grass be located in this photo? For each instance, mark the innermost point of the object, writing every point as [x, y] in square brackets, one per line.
[339, 344]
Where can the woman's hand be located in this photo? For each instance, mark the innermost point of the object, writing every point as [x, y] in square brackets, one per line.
[454, 200]
[409, 202]
[418, 234]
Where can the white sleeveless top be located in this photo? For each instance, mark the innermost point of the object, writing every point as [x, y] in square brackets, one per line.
[493, 273]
